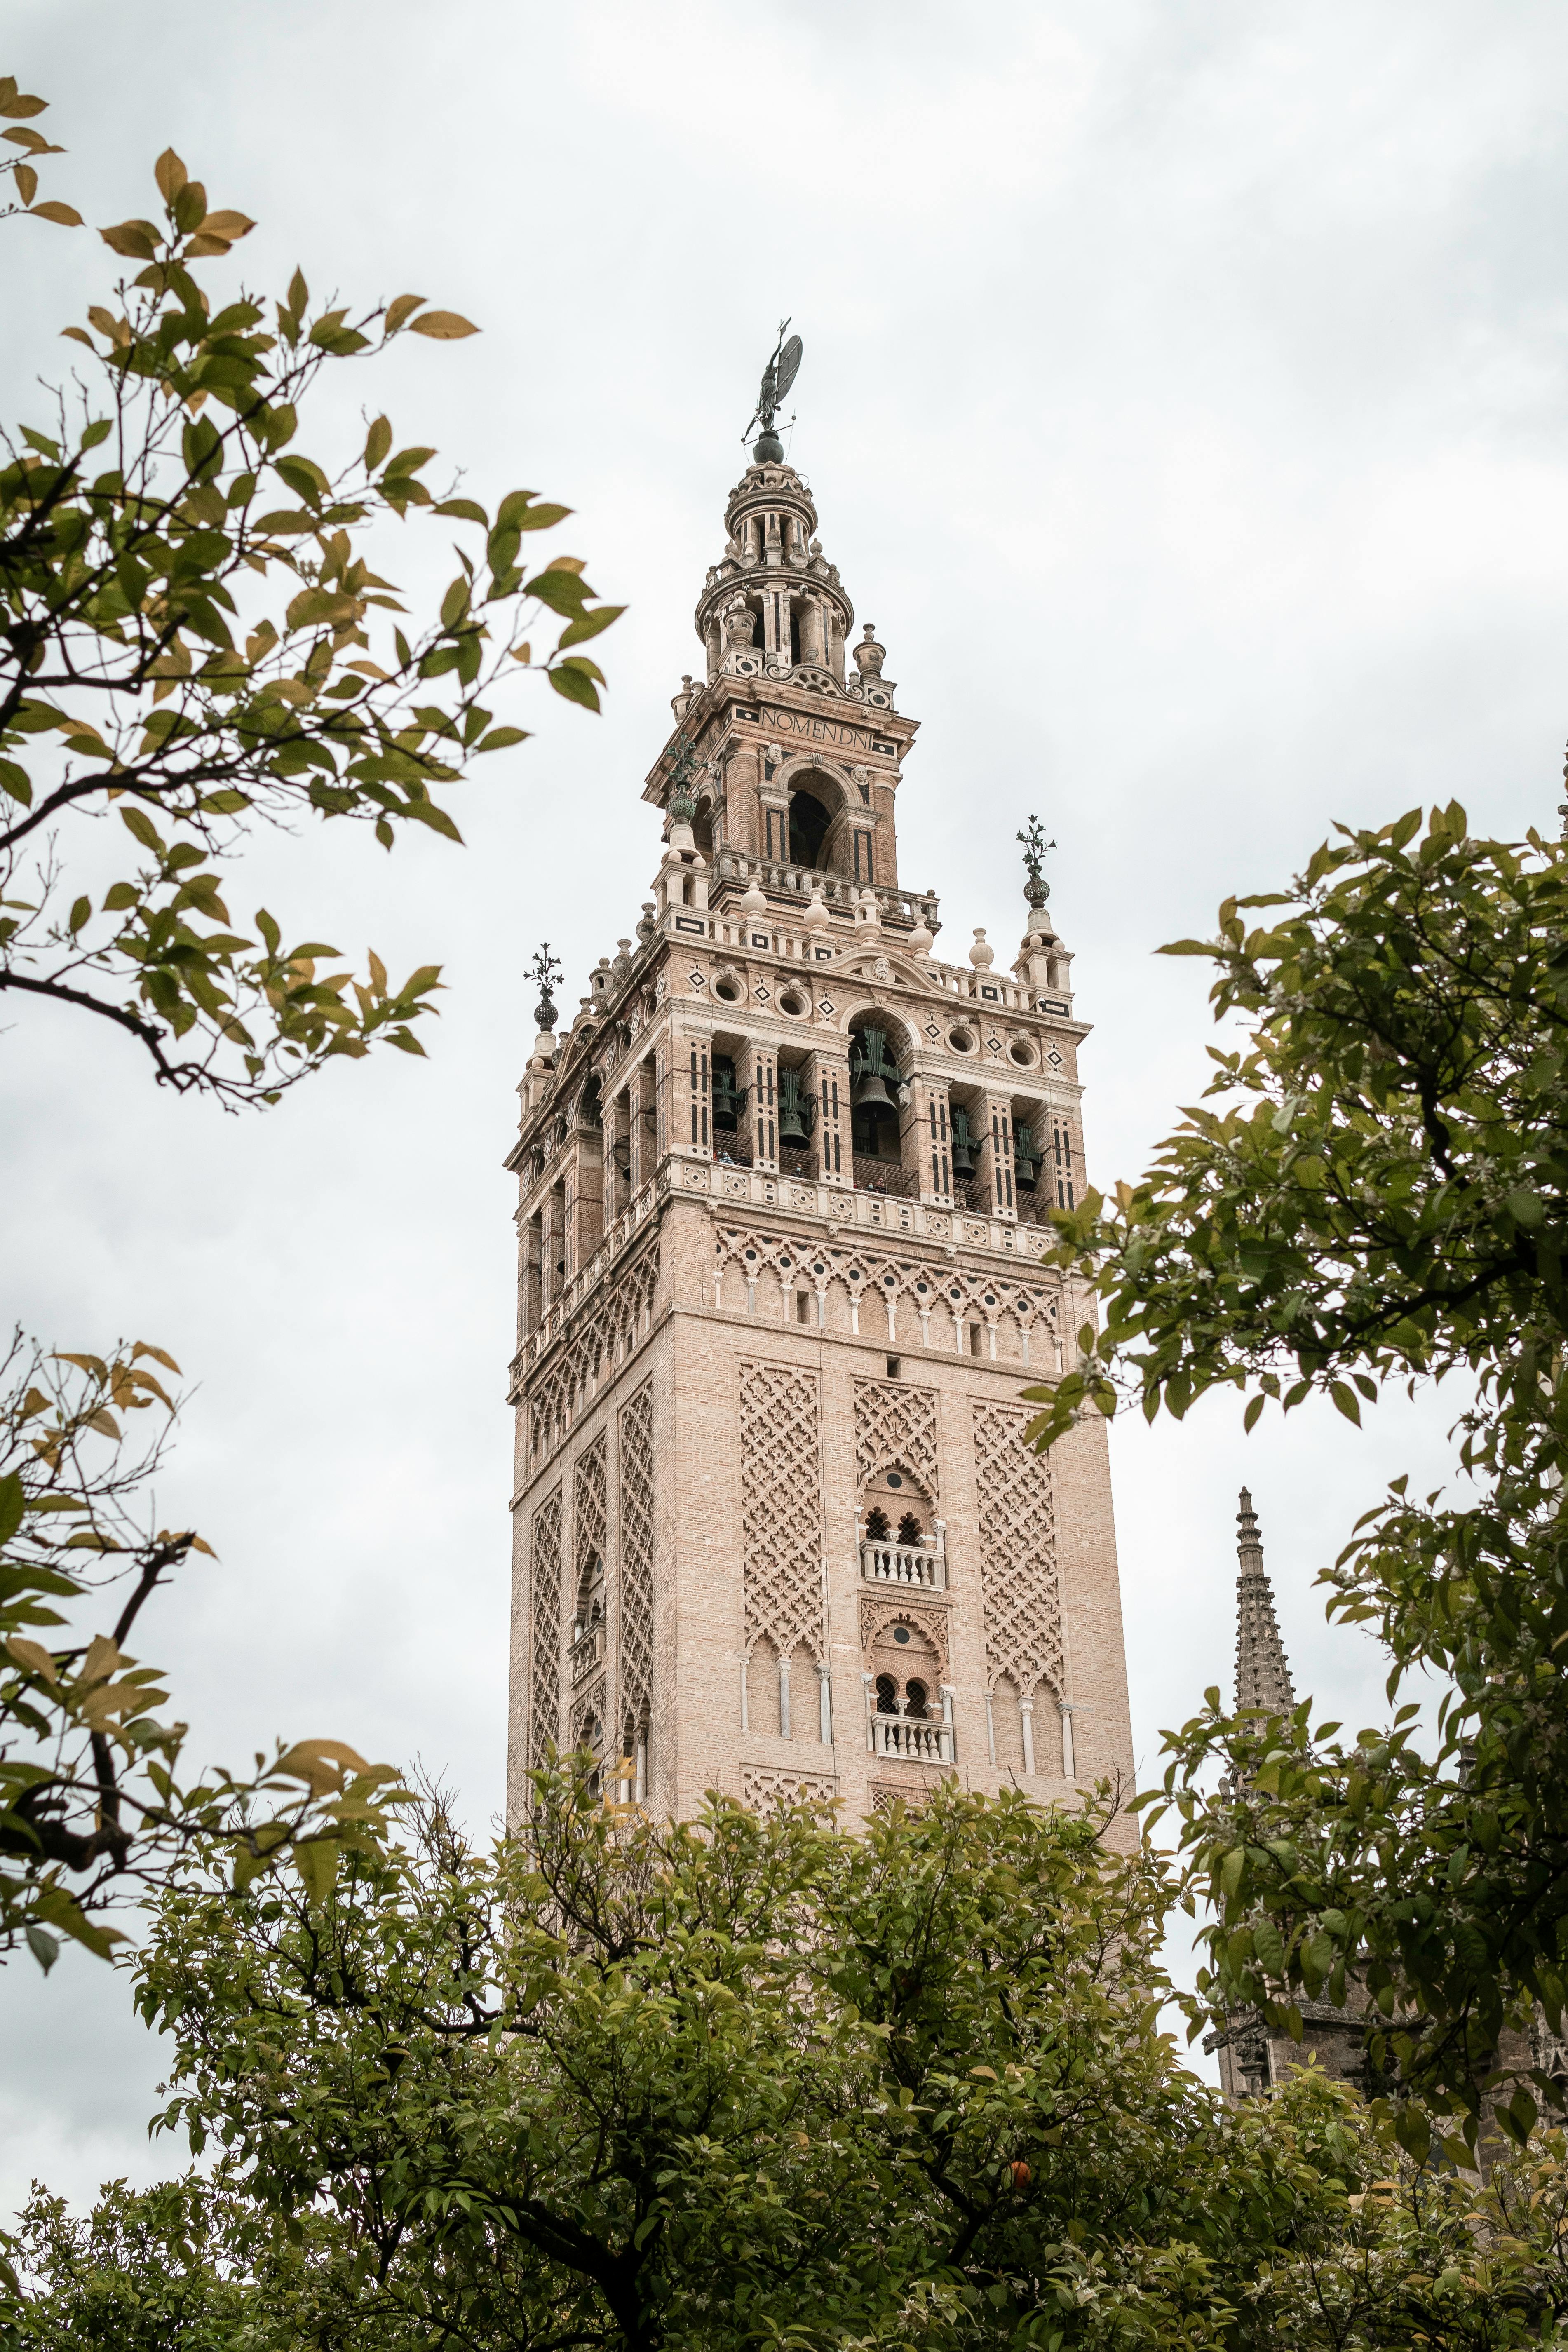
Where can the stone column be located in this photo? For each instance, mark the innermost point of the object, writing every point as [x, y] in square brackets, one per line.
[998, 1135]
[758, 1072]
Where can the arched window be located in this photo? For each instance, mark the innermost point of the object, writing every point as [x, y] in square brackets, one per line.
[915, 1694]
[909, 1529]
[808, 823]
[887, 1694]
[879, 1526]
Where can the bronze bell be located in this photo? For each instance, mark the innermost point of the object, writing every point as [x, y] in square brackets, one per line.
[869, 1071]
[792, 1113]
[963, 1147]
[728, 1100]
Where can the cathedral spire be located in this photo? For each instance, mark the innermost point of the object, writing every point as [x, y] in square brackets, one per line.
[1262, 1670]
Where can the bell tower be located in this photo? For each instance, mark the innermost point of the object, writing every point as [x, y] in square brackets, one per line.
[782, 1274]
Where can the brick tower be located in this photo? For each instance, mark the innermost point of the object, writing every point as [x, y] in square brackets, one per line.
[782, 1233]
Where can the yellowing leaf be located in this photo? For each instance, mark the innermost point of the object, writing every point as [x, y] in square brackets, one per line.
[33, 1655]
[397, 311]
[445, 326]
[137, 239]
[229, 227]
[102, 1659]
[319, 1763]
[69, 217]
[316, 1859]
[171, 176]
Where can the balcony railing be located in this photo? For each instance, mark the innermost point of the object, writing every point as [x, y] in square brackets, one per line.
[914, 1742]
[922, 1567]
[587, 1652]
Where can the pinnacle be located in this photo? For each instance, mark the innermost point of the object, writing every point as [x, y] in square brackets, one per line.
[1262, 1669]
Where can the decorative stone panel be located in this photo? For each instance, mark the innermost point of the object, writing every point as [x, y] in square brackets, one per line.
[1019, 1583]
[765, 1789]
[544, 1586]
[604, 1341]
[637, 1559]
[781, 1508]
[876, 1616]
[743, 1255]
[590, 1514]
[894, 1424]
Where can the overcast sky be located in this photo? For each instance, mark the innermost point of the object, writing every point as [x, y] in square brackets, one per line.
[1183, 397]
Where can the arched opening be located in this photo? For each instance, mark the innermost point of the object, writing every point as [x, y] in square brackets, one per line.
[905, 1672]
[702, 829]
[897, 1508]
[809, 821]
[876, 1117]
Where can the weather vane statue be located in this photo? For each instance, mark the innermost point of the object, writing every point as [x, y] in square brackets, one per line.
[1037, 888]
[777, 377]
[545, 974]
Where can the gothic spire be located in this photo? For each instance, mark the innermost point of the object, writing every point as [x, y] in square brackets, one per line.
[1262, 1670]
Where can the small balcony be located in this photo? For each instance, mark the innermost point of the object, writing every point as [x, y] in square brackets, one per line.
[587, 1652]
[918, 1568]
[910, 1740]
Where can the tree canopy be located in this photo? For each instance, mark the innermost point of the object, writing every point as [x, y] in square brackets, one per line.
[197, 641]
[1382, 1197]
[750, 2081]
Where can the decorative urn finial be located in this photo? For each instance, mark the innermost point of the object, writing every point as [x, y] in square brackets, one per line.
[545, 974]
[682, 802]
[868, 654]
[1037, 889]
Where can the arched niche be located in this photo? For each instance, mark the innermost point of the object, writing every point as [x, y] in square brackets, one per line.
[819, 802]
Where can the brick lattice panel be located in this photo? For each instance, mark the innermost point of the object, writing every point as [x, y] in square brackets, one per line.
[544, 1711]
[780, 1506]
[895, 1425]
[637, 1559]
[1018, 1553]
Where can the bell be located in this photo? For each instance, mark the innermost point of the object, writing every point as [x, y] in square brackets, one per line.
[963, 1147]
[1025, 1159]
[792, 1127]
[869, 1072]
[728, 1100]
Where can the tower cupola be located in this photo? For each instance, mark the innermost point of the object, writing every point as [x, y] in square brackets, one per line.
[772, 607]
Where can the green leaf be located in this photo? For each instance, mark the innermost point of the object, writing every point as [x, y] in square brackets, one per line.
[589, 624]
[570, 679]
[138, 822]
[45, 1948]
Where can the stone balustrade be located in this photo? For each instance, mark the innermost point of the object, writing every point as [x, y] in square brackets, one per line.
[921, 1566]
[911, 1741]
